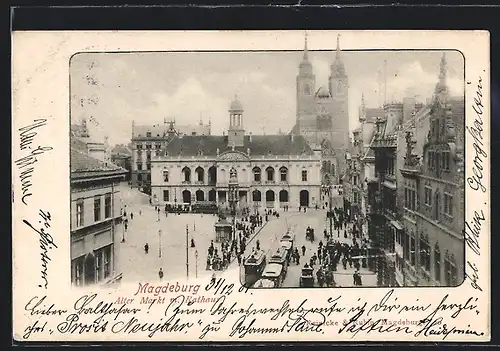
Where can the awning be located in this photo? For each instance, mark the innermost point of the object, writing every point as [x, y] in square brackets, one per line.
[397, 225]
[390, 185]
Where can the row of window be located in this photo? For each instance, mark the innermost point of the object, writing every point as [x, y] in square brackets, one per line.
[200, 195]
[200, 174]
[439, 160]
[408, 242]
[97, 209]
[448, 202]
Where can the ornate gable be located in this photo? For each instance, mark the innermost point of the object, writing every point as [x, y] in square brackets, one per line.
[232, 156]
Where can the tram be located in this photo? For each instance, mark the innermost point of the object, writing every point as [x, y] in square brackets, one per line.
[275, 273]
[254, 266]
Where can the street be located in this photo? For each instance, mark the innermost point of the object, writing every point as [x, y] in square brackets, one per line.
[136, 265]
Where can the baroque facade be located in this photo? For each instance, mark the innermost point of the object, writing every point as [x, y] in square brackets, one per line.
[148, 140]
[272, 171]
[94, 215]
[322, 116]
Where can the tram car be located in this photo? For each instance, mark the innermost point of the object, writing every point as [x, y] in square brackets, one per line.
[287, 241]
[254, 266]
[281, 256]
[275, 273]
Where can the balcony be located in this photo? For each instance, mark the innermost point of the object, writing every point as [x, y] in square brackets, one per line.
[199, 182]
[256, 182]
[186, 182]
[270, 182]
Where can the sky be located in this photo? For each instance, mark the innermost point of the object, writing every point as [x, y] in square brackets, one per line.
[113, 89]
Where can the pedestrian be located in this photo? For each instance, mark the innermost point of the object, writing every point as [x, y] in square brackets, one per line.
[160, 273]
[258, 245]
[131, 215]
[140, 212]
[126, 226]
[192, 243]
[303, 250]
[146, 248]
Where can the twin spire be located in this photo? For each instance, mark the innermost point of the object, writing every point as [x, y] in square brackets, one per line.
[306, 51]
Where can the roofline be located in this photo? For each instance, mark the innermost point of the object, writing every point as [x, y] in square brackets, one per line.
[97, 175]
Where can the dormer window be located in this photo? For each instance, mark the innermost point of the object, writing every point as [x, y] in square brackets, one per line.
[148, 134]
[200, 153]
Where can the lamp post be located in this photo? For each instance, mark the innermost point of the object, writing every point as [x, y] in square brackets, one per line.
[159, 241]
[233, 198]
[196, 256]
[187, 252]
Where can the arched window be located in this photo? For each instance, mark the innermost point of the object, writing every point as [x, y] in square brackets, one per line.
[165, 175]
[200, 195]
[256, 174]
[269, 196]
[200, 174]
[212, 195]
[283, 195]
[283, 174]
[223, 175]
[270, 173]
[186, 171]
[256, 196]
[437, 263]
[212, 175]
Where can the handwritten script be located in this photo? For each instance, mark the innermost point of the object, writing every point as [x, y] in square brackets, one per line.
[26, 164]
[46, 243]
[246, 317]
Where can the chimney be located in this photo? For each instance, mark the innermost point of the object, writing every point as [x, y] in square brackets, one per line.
[292, 137]
[250, 137]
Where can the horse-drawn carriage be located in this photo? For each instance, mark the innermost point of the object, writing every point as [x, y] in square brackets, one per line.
[307, 278]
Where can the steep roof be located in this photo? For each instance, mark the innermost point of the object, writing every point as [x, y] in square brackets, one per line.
[259, 145]
[85, 166]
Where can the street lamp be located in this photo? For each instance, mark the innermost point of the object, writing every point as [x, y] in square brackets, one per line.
[196, 256]
[233, 197]
[159, 240]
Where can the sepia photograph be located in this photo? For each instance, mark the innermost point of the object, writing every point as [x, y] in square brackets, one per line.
[297, 168]
[245, 186]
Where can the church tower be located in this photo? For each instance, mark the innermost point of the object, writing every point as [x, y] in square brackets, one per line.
[306, 86]
[236, 132]
[338, 86]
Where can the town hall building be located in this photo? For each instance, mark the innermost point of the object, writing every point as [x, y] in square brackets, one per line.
[270, 171]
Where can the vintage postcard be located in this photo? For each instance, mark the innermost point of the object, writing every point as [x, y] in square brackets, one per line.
[251, 186]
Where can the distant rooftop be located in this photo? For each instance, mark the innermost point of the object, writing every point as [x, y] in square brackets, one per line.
[85, 166]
